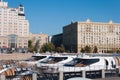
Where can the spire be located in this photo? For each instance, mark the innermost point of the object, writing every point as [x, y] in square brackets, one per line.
[21, 10]
[21, 5]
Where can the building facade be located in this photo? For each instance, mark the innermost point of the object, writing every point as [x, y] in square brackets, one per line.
[106, 36]
[42, 38]
[14, 27]
[57, 40]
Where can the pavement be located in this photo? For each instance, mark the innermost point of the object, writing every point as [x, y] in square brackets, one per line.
[15, 56]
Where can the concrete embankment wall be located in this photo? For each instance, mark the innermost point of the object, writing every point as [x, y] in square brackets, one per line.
[15, 56]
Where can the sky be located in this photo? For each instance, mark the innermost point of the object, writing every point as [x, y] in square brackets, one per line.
[49, 16]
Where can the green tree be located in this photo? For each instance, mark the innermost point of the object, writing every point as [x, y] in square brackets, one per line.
[117, 51]
[95, 49]
[37, 46]
[82, 50]
[30, 46]
[60, 49]
[87, 49]
[48, 47]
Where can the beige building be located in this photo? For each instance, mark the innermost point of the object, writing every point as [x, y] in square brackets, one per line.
[14, 27]
[106, 36]
[42, 38]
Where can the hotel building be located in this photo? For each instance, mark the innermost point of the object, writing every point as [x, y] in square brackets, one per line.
[77, 35]
[14, 27]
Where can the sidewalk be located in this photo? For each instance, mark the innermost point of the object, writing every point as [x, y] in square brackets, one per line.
[15, 56]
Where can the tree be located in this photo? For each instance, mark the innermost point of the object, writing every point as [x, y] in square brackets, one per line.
[95, 49]
[87, 49]
[30, 46]
[82, 50]
[48, 47]
[37, 46]
[60, 49]
[117, 51]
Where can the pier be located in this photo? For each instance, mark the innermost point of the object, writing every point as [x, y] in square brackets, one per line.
[94, 75]
[50, 73]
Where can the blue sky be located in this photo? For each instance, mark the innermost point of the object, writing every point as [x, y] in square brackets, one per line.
[49, 16]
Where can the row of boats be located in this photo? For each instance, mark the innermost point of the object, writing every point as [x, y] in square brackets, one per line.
[72, 63]
[54, 63]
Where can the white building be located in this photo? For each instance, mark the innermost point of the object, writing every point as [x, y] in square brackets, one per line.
[14, 28]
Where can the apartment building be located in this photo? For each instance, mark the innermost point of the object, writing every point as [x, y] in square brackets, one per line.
[14, 27]
[77, 35]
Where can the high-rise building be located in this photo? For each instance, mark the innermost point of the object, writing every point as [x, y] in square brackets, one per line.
[106, 36]
[14, 27]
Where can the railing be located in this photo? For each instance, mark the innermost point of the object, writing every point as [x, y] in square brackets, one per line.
[60, 67]
[98, 71]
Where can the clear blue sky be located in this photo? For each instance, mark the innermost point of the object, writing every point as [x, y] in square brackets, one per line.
[49, 16]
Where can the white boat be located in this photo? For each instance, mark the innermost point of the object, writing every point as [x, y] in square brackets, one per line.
[91, 64]
[54, 62]
[36, 58]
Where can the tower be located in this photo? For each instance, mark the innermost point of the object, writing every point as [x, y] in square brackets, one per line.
[21, 10]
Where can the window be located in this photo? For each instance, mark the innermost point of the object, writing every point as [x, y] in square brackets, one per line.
[3, 42]
[21, 9]
[81, 62]
[53, 60]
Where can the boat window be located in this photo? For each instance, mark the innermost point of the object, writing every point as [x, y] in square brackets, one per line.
[73, 62]
[53, 59]
[81, 62]
[106, 62]
[89, 61]
[35, 58]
